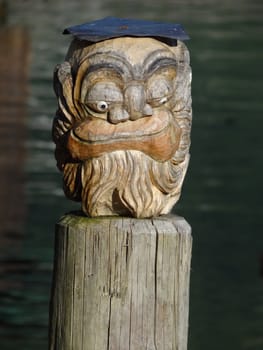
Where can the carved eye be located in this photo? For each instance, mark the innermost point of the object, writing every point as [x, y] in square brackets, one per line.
[102, 106]
[163, 100]
[156, 102]
[159, 91]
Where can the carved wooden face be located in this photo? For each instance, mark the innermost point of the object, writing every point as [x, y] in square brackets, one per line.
[123, 95]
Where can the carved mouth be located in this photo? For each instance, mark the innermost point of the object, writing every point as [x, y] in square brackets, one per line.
[157, 136]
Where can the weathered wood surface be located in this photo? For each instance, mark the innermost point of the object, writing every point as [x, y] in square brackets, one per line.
[120, 284]
[122, 128]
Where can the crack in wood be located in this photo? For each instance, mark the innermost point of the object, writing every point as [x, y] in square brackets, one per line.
[121, 284]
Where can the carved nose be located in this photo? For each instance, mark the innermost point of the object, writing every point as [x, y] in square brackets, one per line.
[118, 114]
[135, 101]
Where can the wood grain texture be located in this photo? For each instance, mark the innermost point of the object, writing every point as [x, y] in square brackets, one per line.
[122, 128]
[121, 284]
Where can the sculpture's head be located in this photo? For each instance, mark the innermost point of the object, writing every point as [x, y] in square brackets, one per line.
[122, 129]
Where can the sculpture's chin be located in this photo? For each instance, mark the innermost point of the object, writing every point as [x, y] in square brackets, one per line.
[157, 136]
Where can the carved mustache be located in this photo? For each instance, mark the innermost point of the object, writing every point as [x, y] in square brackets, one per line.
[157, 136]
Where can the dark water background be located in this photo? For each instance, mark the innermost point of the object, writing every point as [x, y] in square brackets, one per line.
[222, 196]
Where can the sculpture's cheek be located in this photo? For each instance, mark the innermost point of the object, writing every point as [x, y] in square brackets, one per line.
[157, 136]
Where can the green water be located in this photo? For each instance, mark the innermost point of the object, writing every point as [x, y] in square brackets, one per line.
[222, 192]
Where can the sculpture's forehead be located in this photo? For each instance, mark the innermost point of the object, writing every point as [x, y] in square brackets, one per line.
[133, 50]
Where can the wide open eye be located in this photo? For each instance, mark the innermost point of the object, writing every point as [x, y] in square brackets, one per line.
[98, 107]
[163, 100]
[101, 95]
[102, 106]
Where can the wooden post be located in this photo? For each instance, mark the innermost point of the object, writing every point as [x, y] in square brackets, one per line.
[120, 284]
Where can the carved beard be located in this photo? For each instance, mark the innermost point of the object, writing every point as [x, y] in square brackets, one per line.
[140, 170]
[127, 183]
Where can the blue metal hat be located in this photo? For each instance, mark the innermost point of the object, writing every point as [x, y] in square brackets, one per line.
[111, 27]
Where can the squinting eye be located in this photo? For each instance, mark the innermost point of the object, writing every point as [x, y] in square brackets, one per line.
[102, 106]
[157, 102]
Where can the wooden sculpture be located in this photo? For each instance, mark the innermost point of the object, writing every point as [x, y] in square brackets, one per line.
[122, 129]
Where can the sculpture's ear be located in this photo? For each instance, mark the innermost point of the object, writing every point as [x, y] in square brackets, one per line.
[62, 79]
[182, 108]
[183, 77]
[67, 114]
[63, 86]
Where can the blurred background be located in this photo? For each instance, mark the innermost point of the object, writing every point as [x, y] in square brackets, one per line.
[222, 195]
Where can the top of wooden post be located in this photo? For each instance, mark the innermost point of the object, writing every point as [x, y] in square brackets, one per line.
[122, 128]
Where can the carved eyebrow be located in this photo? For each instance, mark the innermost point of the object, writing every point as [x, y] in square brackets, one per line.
[160, 63]
[106, 65]
[153, 63]
[110, 61]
